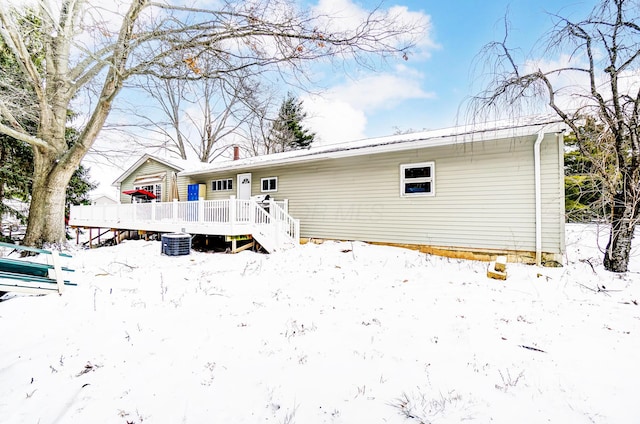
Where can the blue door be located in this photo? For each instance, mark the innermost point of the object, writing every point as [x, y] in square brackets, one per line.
[193, 192]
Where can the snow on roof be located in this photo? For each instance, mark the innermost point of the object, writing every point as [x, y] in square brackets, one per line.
[177, 164]
[476, 132]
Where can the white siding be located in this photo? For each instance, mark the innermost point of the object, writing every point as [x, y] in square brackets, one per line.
[149, 167]
[484, 196]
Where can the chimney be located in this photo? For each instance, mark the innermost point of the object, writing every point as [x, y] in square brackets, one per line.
[236, 152]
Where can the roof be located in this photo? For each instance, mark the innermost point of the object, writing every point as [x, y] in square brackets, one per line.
[95, 197]
[442, 137]
[176, 164]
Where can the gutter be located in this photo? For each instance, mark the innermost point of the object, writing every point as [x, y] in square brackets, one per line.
[538, 200]
[366, 146]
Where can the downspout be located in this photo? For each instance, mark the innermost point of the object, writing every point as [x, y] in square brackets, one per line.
[538, 200]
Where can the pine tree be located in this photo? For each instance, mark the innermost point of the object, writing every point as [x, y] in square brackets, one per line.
[590, 174]
[15, 174]
[582, 188]
[17, 157]
[287, 132]
[78, 189]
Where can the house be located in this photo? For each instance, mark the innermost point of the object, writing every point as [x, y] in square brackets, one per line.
[152, 174]
[472, 192]
[103, 199]
[12, 222]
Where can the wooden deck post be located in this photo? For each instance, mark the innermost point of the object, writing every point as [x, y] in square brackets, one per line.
[174, 211]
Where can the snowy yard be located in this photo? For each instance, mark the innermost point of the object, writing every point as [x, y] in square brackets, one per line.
[333, 333]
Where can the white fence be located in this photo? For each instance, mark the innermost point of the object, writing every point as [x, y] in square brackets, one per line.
[223, 217]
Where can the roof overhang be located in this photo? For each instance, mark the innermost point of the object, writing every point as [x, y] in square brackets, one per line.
[149, 179]
[139, 163]
[444, 137]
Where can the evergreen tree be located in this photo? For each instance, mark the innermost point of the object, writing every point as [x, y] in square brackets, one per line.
[287, 132]
[80, 184]
[590, 174]
[16, 167]
[15, 176]
[584, 200]
[16, 156]
[78, 189]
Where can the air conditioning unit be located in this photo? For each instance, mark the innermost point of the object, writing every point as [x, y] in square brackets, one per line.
[175, 244]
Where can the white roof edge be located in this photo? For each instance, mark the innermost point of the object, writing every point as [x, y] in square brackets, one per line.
[442, 137]
[139, 162]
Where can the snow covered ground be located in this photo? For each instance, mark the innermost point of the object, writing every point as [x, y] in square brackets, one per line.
[332, 333]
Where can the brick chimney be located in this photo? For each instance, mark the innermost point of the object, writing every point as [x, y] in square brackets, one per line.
[236, 152]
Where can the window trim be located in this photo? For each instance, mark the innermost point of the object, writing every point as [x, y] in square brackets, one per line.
[262, 180]
[229, 184]
[404, 181]
[157, 189]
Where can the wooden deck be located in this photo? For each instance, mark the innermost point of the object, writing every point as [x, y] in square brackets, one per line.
[269, 224]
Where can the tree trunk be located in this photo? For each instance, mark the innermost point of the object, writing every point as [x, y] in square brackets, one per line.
[48, 194]
[616, 256]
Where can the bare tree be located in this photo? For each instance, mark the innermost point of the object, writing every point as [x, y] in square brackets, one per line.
[167, 125]
[256, 130]
[597, 78]
[197, 117]
[87, 49]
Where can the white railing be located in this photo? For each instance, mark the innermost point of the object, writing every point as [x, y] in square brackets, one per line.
[285, 223]
[224, 217]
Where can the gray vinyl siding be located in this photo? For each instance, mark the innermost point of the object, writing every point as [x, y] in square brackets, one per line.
[223, 194]
[149, 167]
[183, 183]
[484, 196]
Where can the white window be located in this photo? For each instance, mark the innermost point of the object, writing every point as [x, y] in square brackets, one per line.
[417, 179]
[152, 188]
[222, 185]
[269, 184]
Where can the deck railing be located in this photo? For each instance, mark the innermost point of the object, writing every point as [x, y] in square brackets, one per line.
[225, 217]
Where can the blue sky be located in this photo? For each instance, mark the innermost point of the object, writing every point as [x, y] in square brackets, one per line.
[424, 92]
[429, 90]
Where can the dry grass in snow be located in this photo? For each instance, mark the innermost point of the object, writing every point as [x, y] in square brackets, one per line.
[332, 333]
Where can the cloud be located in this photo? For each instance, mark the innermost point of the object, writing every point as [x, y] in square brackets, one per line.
[340, 114]
[334, 120]
[573, 88]
[345, 15]
[383, 91]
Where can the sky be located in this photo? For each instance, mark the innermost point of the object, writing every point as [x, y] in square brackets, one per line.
[428, 90]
